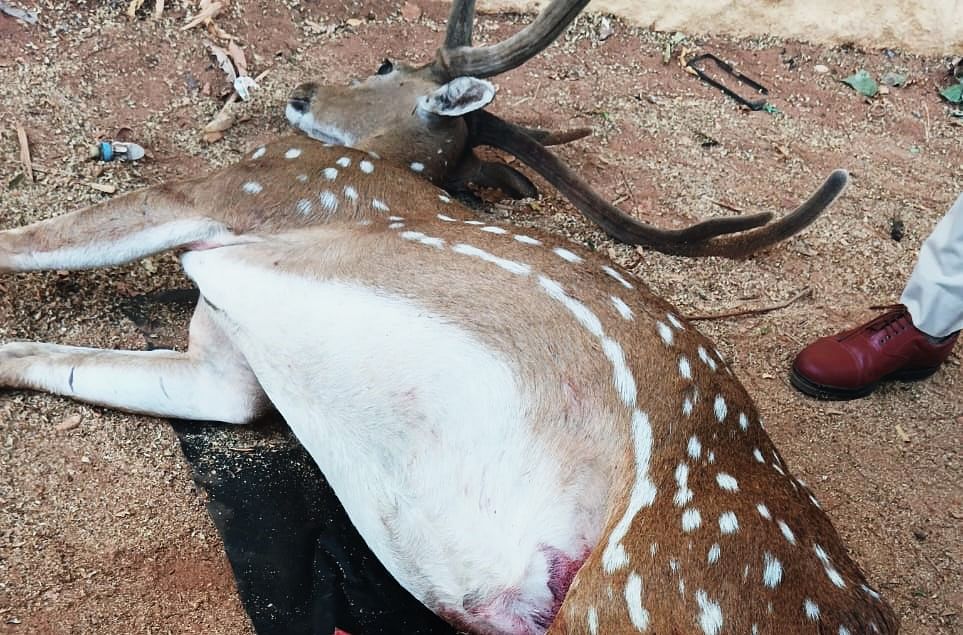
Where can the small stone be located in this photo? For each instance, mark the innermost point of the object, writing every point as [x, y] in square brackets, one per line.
[411, 12]
[353, 22]
[821, 69]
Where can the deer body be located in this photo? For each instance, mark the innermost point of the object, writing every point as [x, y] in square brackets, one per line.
[526, 437]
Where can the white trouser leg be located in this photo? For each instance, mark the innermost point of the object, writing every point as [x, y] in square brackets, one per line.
[934, 292]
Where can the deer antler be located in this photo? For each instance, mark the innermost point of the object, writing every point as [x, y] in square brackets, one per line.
[708, 238]
[458, 58]
[460, 24]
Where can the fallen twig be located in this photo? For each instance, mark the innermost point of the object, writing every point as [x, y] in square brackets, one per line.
[25, 151]
[724, 205]
[756, 311]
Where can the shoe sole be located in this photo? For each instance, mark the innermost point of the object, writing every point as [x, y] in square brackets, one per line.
[833, 393]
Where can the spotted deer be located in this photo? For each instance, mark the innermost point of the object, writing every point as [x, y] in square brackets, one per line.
[527, 438]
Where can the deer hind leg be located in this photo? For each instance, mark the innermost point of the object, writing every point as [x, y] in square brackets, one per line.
[115, 232]
[210, 382]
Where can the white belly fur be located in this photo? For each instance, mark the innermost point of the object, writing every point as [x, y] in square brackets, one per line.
[422, 431]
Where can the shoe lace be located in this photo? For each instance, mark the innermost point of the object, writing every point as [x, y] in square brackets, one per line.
[895, 320]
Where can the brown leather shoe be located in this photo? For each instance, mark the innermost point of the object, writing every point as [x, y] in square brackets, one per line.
[851, 364]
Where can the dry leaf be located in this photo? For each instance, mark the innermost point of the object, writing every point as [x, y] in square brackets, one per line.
[240, 62]
[212, 137]
[106, 188]
[133, 6]
[221, 122]
[208, 11]
[223, 61]
[69, 423]
[902, 434]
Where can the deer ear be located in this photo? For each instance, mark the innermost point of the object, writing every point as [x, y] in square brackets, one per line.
[458, 97]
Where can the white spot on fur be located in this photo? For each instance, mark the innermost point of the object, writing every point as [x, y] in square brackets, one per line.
[252, 187]
[344, 162]
[380, 205]
[330, 173]
[643, 493]
[763, 511]
[685, 369]
[728, 523]
[633, 599]
[743, 421]
[567, 255]
[474, 222]
[664, 332]
[259, 153]
[811, 609]
[419, 237]
[683, 494]
[727, 482]
[691, 520]
[444, 199]
[397, 225]
[293, 153]
[395, 219]
[710, 614]
[687, 406]
[303, 178]
[447, 219]
[758, 455]
[771, 570]
[714, 552]
[694, 448]
[831, 571]
[417, 166]
[617, 276]
[508, 265]
[675, 321]
[868, 591]
[787, 532]
[527, 240]
[494, 230]
[704, 356]
[328, 200]
[581, 312]
[621, 374]
[304, 207]
[843, 630]
[720, 408]
[593, 620]
[366, 166]
[350, 193]
[622, 308]
[711, 457]
[653, 549]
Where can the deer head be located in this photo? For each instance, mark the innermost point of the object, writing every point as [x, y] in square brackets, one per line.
[429, 117]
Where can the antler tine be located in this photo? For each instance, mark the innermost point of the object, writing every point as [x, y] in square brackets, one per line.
[460, 22]
[708, 238]
[515, 51]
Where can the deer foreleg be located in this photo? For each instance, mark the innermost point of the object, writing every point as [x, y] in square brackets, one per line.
[210, 382]
[118, 231]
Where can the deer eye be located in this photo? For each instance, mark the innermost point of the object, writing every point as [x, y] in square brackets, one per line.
[386, 67]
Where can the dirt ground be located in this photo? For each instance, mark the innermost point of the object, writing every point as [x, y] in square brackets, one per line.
[101, 527]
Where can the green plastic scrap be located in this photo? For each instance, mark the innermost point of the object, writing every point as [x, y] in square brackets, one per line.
[953, 94]
[863, 84]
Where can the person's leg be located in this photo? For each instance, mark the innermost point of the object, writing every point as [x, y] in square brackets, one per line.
[907, 342]
[934, 292]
